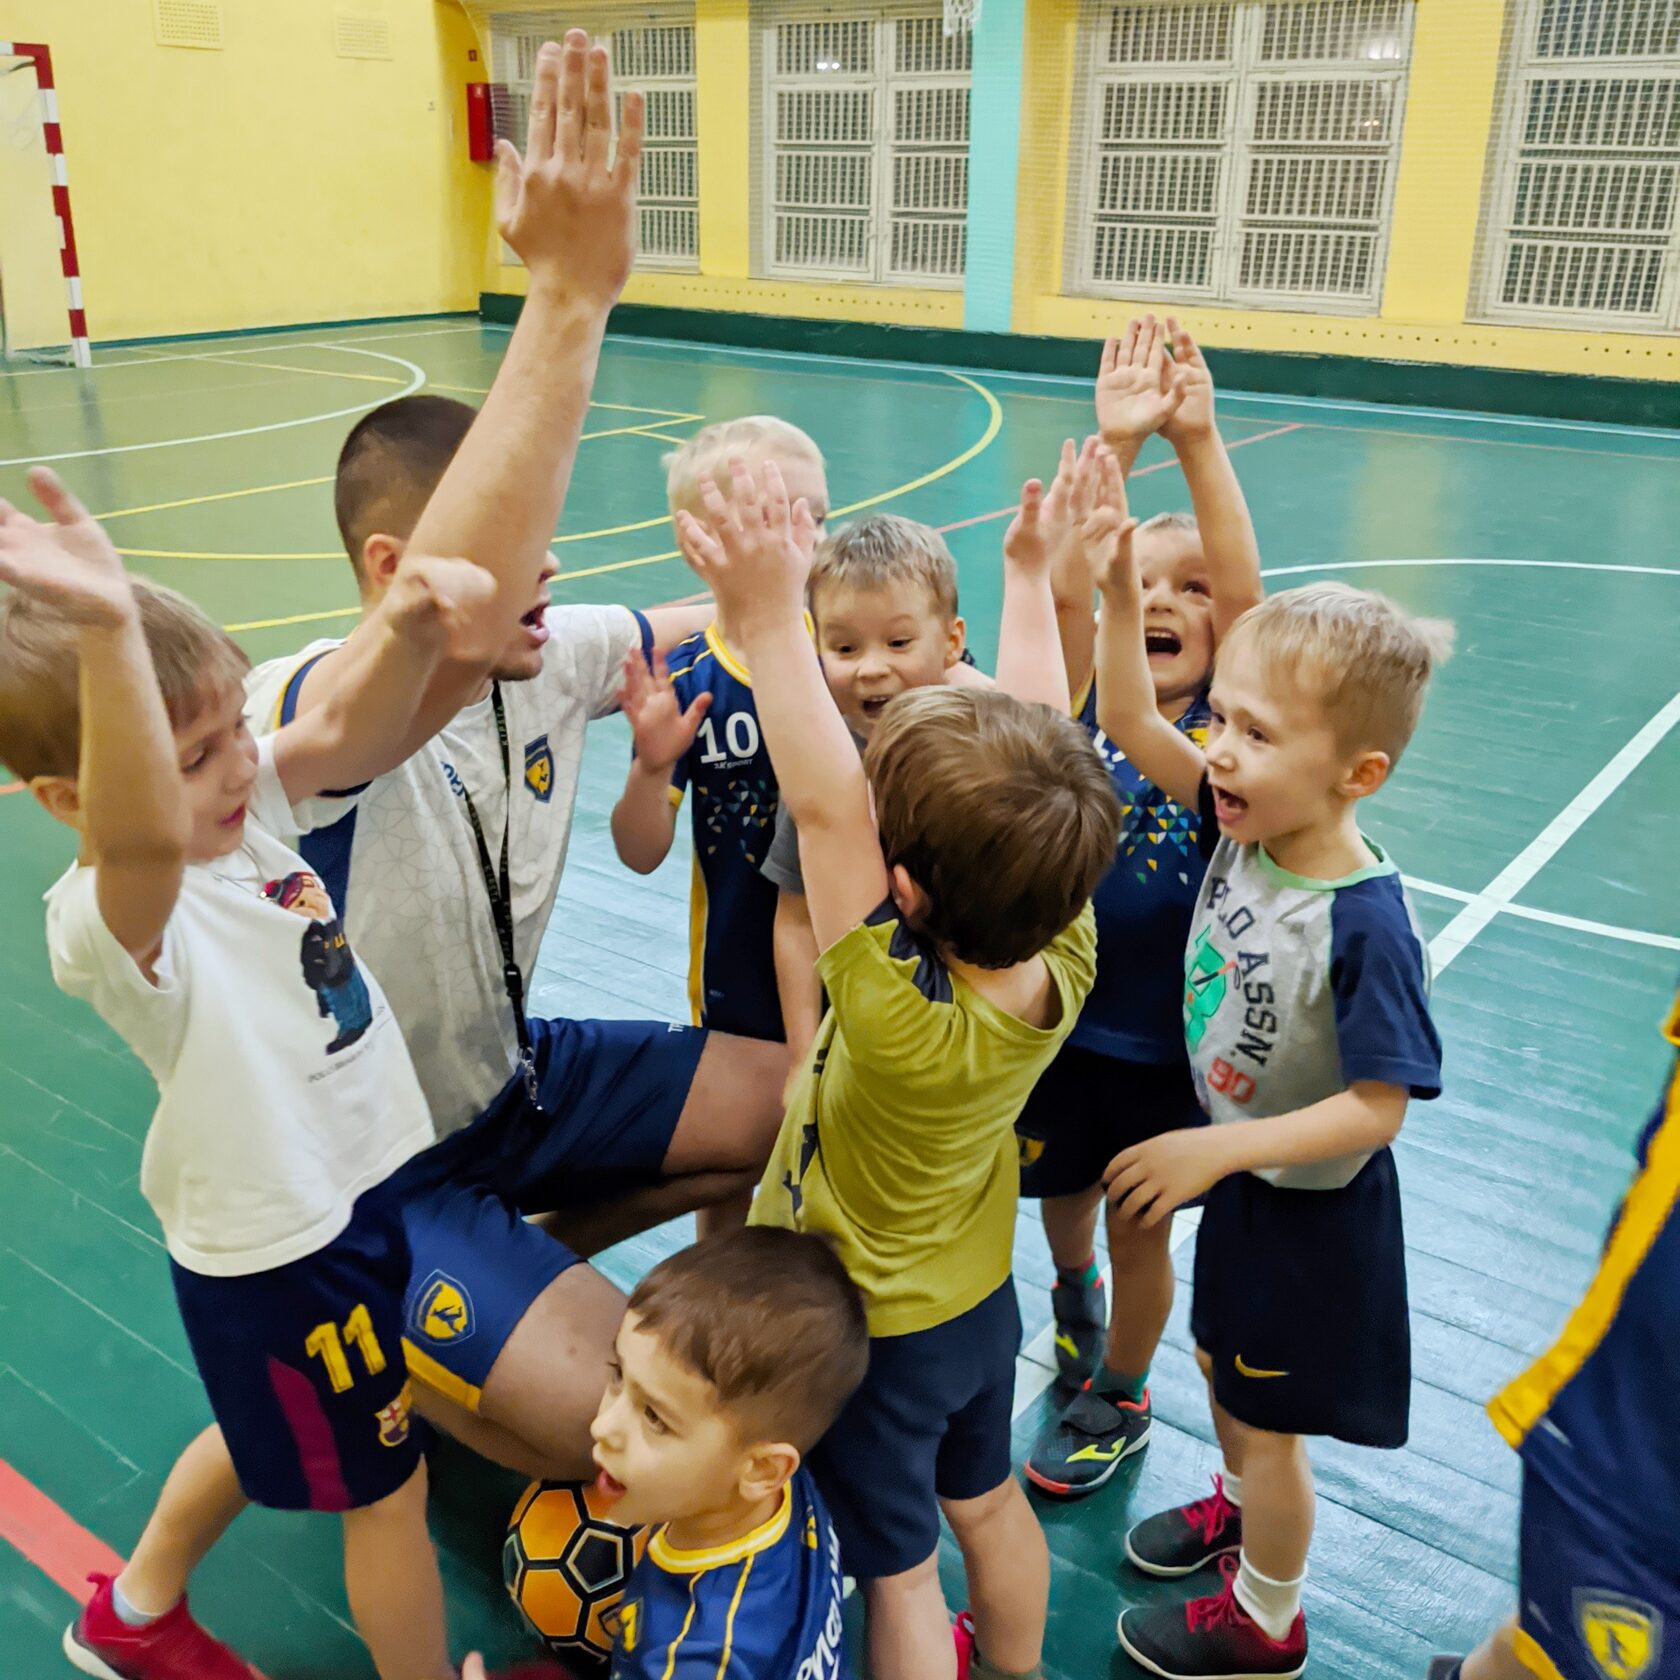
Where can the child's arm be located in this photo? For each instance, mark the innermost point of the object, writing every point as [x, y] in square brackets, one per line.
[1030, 664]
[1138, 389]
[644, 821]
[1127, 712]
[1072, 587]
[1222, 516]
[794, 945]
[132, 799]
[754, 560]
[571, 215]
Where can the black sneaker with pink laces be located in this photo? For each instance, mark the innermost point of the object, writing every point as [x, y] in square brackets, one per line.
[1211, 1638]
[1182, 1540]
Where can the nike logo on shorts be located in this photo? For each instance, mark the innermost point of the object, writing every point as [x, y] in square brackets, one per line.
[1244, 1369]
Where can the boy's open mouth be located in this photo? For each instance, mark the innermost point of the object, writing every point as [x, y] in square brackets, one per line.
[875, 705]
[1163, 642]
[1228, 807]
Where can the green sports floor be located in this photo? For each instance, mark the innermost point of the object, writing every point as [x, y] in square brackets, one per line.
[1535, 815]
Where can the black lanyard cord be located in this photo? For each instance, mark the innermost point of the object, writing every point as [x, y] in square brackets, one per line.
[500, 894]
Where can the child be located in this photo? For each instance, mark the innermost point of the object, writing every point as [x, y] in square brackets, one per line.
[698, 727]
[289, 1117]
[1123, 1075]
[733, 1359]
[883, 597]
[1598, 1587]
[1307, 1022]
[956, 949]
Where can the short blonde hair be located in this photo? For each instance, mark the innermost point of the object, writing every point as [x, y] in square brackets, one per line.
[1366, 659]
[40, 674]
[707, 453]
[881, 551]
[1001, 812]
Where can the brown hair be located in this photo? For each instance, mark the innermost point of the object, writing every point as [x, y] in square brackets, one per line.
[392, 461]
[1002, 813]
[884, 550]
[40, 674]
[1365, 658]
[771, 1320]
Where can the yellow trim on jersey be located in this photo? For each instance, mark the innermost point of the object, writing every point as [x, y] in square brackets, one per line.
[676, 1562]
[440, 1379]
[682, 1632]
[696, 941]
[1084, 694]
[720, 652]
[285, 687]
[729, 1625]
[1532, 1655]
[675, 795]
[1649, 1204]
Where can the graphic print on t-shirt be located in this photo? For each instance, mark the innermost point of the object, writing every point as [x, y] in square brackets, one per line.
[329, 965]
[1219, 968]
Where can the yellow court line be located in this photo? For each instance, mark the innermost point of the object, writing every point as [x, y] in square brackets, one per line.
[219, 496]
[294, 618]
[663, 437]
[622, 408]
[325, 373]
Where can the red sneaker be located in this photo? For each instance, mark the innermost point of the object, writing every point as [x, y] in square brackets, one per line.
[174, 1647]
[963, 1632]
[1211, 1639]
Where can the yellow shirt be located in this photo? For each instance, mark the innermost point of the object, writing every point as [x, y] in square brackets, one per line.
[899, 1136]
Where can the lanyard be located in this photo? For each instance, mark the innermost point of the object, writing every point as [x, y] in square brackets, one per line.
[501, 904]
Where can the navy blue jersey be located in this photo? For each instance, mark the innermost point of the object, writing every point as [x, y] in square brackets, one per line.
[1594, 1416]
[766, 1607]
[732, 908]
[1143, 907]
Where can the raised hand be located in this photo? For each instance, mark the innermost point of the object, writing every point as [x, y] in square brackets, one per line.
[568, 207]
[448, 605]
[1138, 389]
[1027, 542]
[68, 563]
[661, 730]
[1194, 418]
[754, 550]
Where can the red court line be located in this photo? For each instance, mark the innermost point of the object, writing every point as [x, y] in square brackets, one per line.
[1139, 472]
[51, 1539]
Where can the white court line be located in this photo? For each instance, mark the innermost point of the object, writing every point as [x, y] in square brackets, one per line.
[1543, 565]
[1553, 918]
[1447, 945]
[416, 380]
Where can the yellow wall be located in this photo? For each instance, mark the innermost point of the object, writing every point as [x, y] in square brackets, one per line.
[272, 181]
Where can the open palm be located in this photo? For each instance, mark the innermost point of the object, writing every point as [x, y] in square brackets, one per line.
[69, 562]
[661, 729]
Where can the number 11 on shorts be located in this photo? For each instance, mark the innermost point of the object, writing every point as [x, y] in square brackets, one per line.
[327, 1344]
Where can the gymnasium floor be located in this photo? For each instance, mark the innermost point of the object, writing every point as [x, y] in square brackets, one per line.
[1536, 809]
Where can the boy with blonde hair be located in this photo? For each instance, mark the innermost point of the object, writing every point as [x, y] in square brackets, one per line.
[1307, 1021]
[957, 947]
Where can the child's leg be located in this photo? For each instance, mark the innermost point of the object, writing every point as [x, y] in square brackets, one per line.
[1229, 1432]
[199, 1500]
[396, 1593]
[722, 1217]
[1495, 1659]
[1008, 1568]
[1277, 1507]
[1143, 1297]
[908, 1627]
[1070, 1228]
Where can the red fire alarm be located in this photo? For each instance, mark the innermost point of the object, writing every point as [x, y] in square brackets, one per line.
[481, 131]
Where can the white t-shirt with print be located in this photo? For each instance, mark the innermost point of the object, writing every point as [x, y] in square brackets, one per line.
[284, 1086]
[403, 863]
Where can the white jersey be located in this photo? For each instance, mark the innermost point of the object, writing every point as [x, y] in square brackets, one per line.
[405, 866]
[284, 1088]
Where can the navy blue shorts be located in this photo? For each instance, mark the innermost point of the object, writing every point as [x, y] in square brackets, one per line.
[304, 1365]
[612, 1093]
[1593, 1600]
[1087, 1107]
[1300, 1301]
[931, 1422]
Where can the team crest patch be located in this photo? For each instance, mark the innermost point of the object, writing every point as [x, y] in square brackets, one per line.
[444, 1311]
[393, 1420]
[539, 768]
[1622, 1635]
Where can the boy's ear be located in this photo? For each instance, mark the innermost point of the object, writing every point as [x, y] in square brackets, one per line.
[956, 639]
[910, 899]
[767, 1468]
[59, 797]
[1364, 775]
[381, 555]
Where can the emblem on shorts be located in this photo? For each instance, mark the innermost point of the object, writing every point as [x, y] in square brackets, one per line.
[539, 768]
[393, 1420]
[1028, 1148]
[444, 1311]
[1244, 1369]
[1622, 1635]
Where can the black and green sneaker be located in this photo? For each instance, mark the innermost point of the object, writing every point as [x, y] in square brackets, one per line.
[1088, 1443]
[1081, 1329]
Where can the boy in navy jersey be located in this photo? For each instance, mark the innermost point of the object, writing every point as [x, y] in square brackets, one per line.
[1123, 1075]
[734, 1358]
[1306, 1017]
[1598, 1585]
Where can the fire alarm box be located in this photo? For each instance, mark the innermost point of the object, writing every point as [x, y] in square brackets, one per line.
[481, 131]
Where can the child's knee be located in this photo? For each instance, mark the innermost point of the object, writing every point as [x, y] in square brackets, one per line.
[972, 1520]
[1204, 1361]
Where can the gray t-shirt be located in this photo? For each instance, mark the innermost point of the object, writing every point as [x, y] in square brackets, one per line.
[781, 861]
[1294, 989]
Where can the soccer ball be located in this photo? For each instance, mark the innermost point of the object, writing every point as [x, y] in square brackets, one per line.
[566, 1566]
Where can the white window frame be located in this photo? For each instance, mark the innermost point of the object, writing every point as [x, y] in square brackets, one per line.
[1243, 73]
[660, 155]
[885, 81]
[1522, 67]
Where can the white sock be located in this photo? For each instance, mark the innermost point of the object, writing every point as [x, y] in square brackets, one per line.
[127, 1614]
[1273, 1604]
[1232, 1484]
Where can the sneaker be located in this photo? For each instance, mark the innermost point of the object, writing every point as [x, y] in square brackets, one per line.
[1446, 1668]
[1180, 1541]
[174, 1647]
[962, 1631]
[1088, 1443]
[1211, 1639]
[1081, 1329]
